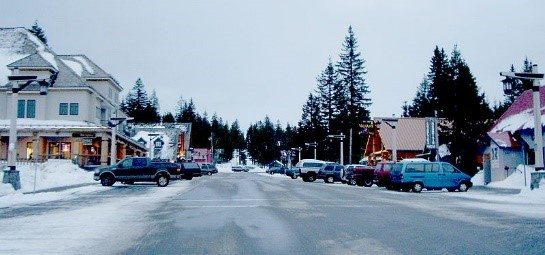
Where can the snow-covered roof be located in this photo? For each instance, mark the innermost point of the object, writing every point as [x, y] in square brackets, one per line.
[520, 115]
[84, 67]
[33, 124]
[16, 43]
[21, 49]
[504, 139]
[167, 151]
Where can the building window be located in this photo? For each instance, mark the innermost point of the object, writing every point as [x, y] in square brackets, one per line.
[21, 109]
[63, 109]
[31, 108]
[97, 113]
[26, 106]
[74, 108]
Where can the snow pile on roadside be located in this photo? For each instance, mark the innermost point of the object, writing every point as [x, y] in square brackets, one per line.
[516, 179]
[51, 174]
[478, 179]
[226, 168]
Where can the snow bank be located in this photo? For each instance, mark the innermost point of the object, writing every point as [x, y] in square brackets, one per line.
[478, 179]
[516, 179]
[226, 168]
[51, 174]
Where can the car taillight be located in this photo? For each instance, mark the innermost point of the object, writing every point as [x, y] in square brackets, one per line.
[178, 169]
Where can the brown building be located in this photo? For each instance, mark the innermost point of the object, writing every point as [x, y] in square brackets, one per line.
[411, 139]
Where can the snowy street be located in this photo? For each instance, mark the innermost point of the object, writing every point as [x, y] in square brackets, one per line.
[249, 213]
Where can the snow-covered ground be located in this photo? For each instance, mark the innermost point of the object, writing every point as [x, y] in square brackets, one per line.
[107, 227]
[526, 203]
[226, 168]
[51, 174]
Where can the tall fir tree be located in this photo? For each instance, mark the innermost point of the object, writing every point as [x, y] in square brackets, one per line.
[421, 105]
[351, 72]
[136, 102]
[38, 32]
[354, 107]
[327, 82]
[439, 82]
[471, 115]
[453, 93]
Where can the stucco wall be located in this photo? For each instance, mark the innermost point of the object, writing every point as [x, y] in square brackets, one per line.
[502, 157]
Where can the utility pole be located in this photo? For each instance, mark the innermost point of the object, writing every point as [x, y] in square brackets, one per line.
[350, 148]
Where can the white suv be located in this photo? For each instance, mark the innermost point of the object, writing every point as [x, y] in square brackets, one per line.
[309, 168]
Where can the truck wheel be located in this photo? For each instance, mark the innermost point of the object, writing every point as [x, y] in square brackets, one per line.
[329, 179]
[294, 176]
[162, 181]
[351, 182]
[368, 183]
[463, 187]
[209, 173]
[107, 180]
[311, 178]
[359, 182]
[189, 177]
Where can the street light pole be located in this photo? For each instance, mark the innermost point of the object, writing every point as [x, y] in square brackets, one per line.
[535, 77]
[11, 175]
[538, 133]
[113, 145]
[151, 138]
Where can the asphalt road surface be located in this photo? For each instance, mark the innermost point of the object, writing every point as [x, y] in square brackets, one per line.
[248, 213]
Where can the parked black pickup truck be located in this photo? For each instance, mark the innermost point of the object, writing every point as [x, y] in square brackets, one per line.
[138, 169]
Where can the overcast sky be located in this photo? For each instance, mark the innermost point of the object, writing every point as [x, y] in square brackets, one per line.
[247, 59]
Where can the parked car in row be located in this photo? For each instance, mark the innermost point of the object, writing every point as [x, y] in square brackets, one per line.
[292, 172]
[138, 169]
[331, 172]
[360, 175]
[382, 173]
[276, 170]
[308, 168]
[240, 168]
[208, 169]
[417, 175]
[190, 170]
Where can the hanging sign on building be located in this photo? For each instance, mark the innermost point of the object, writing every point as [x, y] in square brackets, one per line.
[430, 133]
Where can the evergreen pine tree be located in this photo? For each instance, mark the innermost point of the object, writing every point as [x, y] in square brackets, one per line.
[136, 102]
[421, 105]
[38, 32]
[351, 72]
[471, 115]
[168, 118]
[354, 106]
[327, 82]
